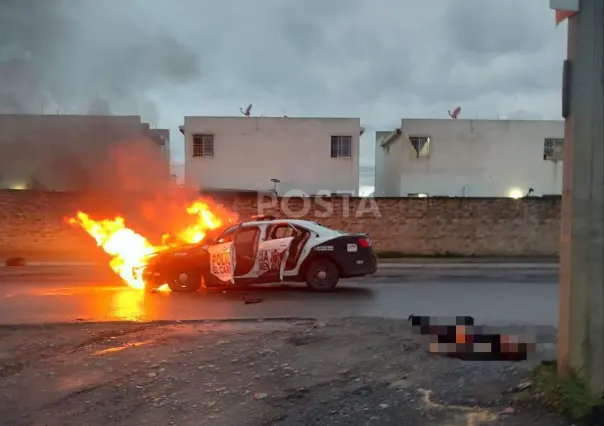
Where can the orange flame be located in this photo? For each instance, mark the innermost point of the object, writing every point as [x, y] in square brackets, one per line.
[206, 220]
[129, 250]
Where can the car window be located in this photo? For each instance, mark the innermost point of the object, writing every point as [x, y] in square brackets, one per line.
[226, 236]
[246, 236]
[283, 231]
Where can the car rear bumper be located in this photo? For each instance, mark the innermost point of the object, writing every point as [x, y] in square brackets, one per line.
[364, 264]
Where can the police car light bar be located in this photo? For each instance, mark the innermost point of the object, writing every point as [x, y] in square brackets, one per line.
[263, 217]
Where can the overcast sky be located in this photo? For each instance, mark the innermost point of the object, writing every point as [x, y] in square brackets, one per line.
[379, 60]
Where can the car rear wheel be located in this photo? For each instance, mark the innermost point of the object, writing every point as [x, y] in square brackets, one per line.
[322, 275]
[187, 280]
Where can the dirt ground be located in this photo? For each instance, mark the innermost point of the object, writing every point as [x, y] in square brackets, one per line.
[342, 372]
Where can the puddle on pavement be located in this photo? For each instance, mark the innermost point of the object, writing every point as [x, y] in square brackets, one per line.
[65, 291]
[103, 303]
[128, 305]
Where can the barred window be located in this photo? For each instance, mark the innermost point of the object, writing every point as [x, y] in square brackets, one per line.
[203, 145]
[421, 145]
[552, 148]
[341, 146]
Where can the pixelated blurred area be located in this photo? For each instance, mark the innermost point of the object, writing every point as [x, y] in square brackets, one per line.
[460, 338]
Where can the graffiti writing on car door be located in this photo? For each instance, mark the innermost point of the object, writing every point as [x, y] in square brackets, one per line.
[221, 263]
[270, 260]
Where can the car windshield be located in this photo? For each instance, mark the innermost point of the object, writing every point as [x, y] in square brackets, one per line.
[216, 234]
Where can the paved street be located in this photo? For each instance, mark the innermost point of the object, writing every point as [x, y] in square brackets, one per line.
[519, 294]
[269, 372]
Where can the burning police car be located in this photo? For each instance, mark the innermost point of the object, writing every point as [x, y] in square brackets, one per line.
[264, 250]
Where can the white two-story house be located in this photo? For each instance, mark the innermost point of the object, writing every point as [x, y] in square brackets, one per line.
[291, 155]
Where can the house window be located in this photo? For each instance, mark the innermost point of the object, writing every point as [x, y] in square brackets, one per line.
[341, 146]
[552, 148]
[203, 145]
[421, 146]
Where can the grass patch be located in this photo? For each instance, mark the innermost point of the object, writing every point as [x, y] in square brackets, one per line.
[566, 395]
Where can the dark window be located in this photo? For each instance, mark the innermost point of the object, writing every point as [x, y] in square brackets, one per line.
[203, 145]
[282, 231]
[421, 145]
[226, 236]
[552, 148]
[341, 146]
[246, 236]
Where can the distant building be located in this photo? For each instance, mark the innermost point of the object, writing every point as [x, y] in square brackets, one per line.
[470, 158]
[74, 152]
[247, 153]
[162, 138]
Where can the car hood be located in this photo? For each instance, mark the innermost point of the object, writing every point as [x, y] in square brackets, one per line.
[181, 249]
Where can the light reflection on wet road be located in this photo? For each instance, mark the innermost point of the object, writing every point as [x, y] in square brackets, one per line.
[532, 300]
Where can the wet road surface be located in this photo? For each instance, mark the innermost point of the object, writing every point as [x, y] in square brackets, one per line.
[88, 294]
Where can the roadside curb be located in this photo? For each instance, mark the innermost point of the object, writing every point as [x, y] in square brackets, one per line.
[468, 260]
[515, 265]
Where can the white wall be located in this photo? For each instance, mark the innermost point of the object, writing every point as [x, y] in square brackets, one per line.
[250, 151]
[474, 158]
[388, 165]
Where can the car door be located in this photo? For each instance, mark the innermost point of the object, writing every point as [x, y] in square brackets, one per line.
[244, 253]
[274, 251]
[221, 254]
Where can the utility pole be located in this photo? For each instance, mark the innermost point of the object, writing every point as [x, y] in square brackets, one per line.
[581, 291]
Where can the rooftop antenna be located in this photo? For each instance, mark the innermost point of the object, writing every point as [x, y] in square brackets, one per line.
[455, 113]
[247, 111]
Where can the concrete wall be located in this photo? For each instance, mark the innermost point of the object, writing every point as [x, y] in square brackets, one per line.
[472, 158]
[70, 152]
[388, 164]
[250, 151]
[162, 137]
[34, 223]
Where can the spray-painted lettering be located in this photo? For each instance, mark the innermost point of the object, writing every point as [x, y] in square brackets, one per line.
[270, 260]
[221, 263]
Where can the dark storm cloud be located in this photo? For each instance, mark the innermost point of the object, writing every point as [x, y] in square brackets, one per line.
[484, 47]
[80, 55]
[380, 60]
[486, 28]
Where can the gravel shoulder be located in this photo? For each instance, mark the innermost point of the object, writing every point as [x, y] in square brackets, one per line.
[348, 372]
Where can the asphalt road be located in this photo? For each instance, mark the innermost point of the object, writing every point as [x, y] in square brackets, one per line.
[490, 294]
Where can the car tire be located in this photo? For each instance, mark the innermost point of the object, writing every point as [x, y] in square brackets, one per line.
[185, 281]
[322, 275]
